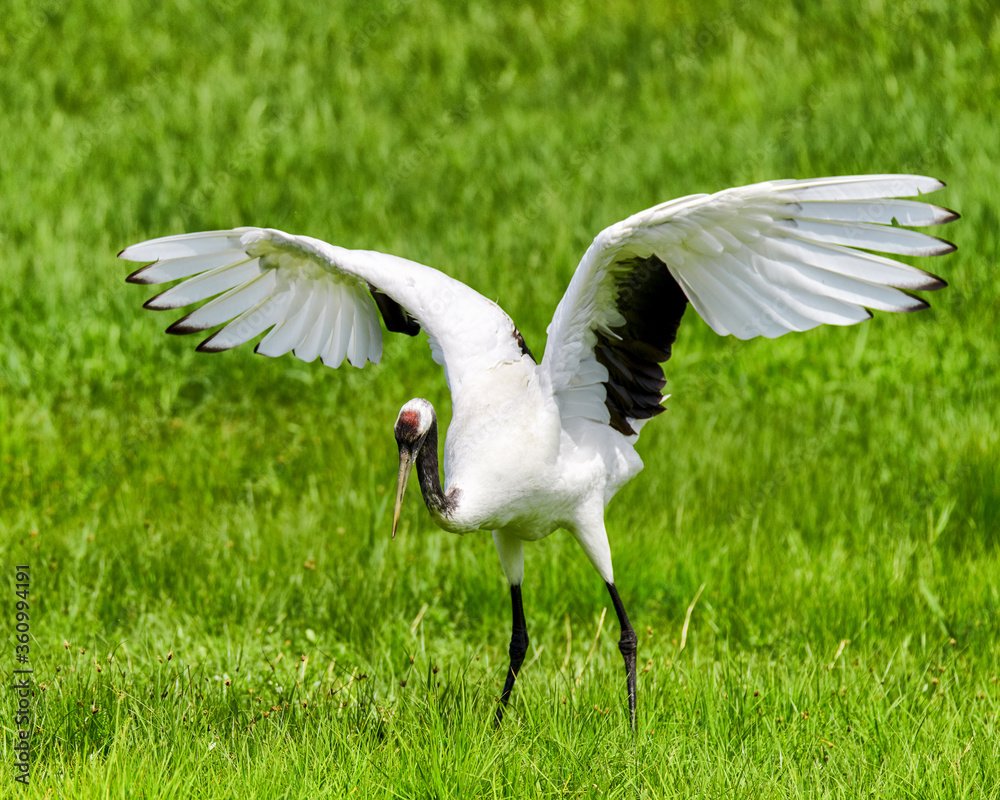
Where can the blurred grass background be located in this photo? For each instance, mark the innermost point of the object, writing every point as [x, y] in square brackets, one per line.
[208, 535]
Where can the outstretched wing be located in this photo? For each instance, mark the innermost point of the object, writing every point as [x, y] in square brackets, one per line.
[759, 260]
[319, 300]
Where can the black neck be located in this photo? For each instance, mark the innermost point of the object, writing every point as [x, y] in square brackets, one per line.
[437, 502]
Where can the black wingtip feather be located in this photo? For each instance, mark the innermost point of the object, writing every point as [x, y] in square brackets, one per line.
[182, 328]
[149, 303]
[207, 346]
[136, 277]
[920, 306]
[933, 284]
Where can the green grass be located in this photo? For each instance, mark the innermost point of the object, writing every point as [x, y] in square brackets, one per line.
[216, 607]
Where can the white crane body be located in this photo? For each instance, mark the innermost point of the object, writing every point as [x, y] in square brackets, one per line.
[534, 447]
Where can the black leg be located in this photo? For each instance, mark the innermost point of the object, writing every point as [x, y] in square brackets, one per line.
[518, 647]
[628, 645]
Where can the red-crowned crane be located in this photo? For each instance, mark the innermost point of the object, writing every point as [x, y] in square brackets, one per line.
[532, 446]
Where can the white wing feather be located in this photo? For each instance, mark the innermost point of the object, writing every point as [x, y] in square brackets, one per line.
[758, 260]
[315, 299]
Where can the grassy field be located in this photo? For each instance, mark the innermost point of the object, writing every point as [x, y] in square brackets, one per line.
[216, 608]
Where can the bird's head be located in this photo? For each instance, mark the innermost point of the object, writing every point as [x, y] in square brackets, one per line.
[415, 420]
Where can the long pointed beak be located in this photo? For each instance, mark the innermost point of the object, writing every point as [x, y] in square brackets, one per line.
[405, 464]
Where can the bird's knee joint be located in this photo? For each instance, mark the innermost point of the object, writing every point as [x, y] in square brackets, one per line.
[518, 646]
[628, 644]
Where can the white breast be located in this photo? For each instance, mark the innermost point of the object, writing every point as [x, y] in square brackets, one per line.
[517, 468]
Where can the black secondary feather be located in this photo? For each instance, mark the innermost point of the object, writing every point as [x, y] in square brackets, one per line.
[652, 304]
